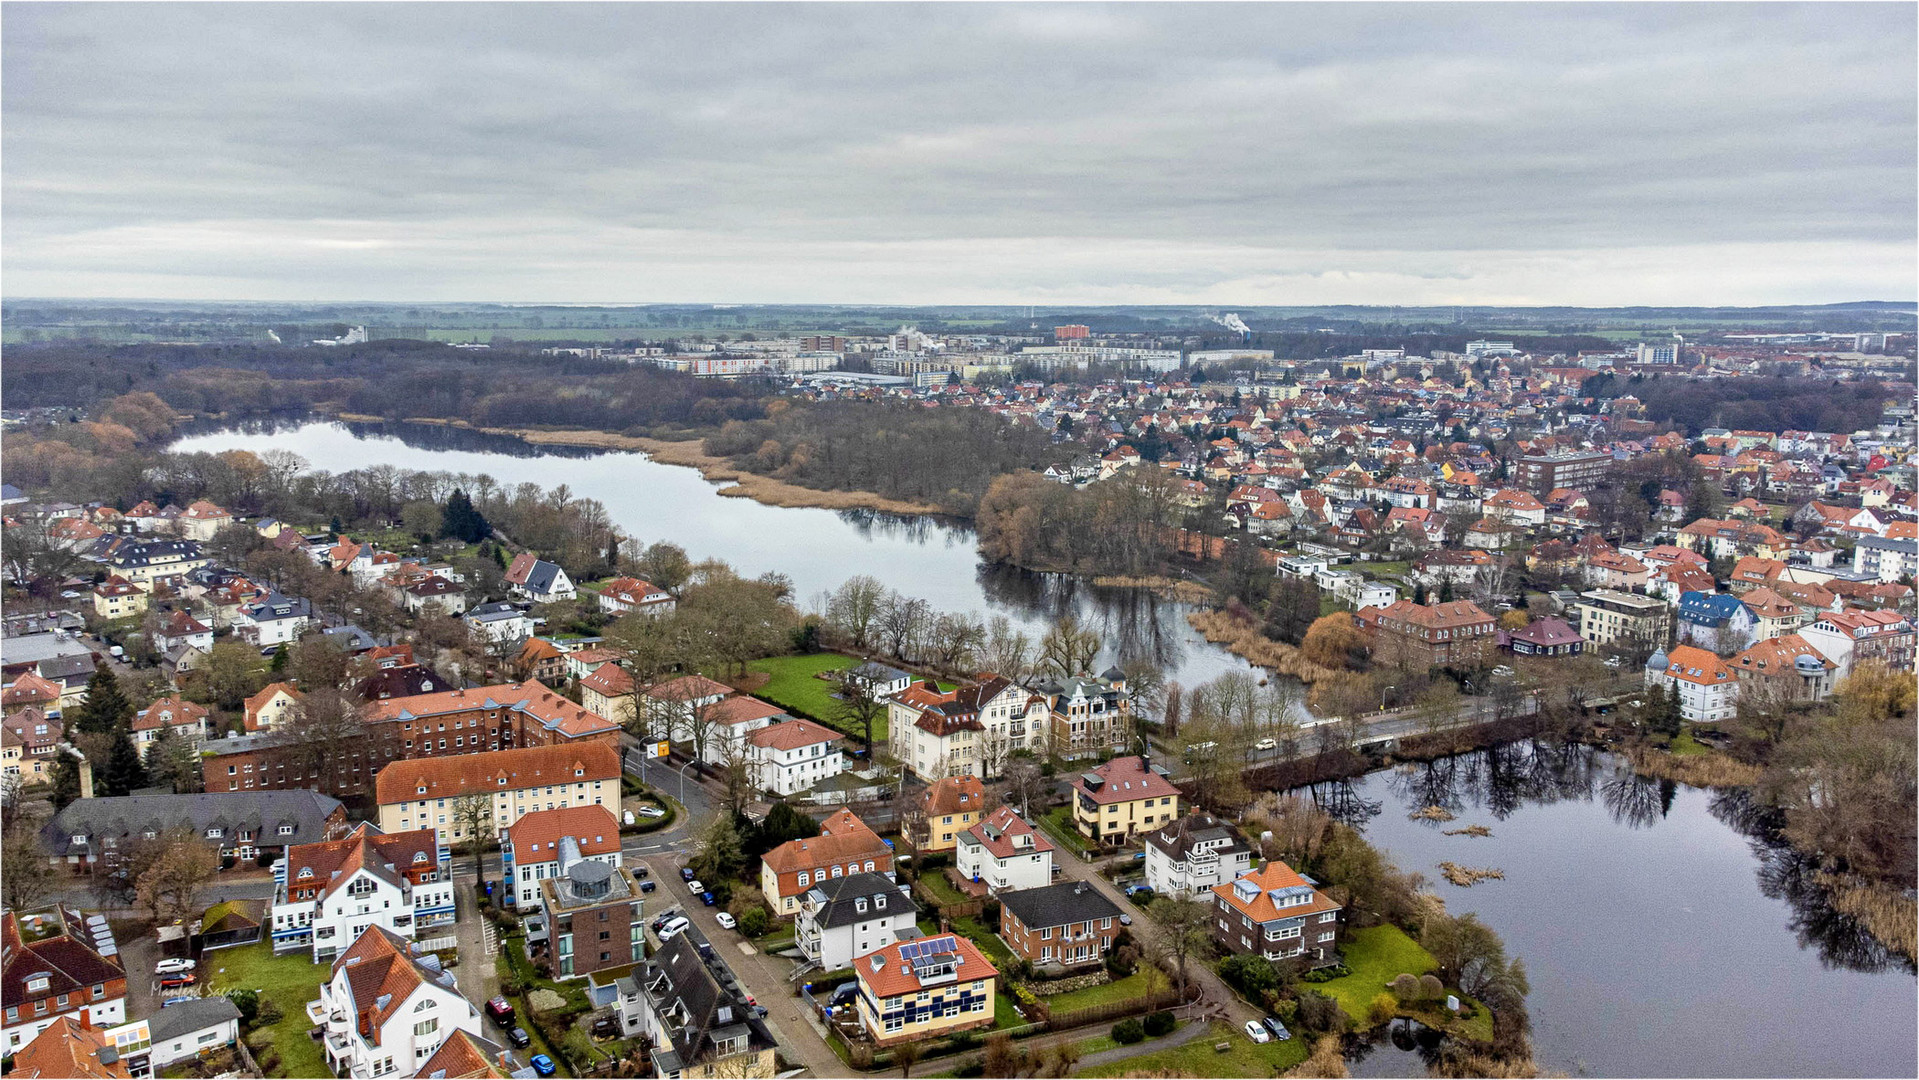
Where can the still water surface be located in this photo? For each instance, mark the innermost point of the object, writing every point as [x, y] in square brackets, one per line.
[933, 559]
[1664, 931]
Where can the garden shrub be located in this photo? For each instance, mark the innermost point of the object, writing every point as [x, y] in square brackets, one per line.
[1318, 1013]
[1160, 1023]
[1431, 988]
[1404, 986]
[1383, 1007]
[1128, 1031]
[269, 1012]
[754, 922]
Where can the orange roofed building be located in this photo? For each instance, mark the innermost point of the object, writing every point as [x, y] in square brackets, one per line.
[917, 990]
[424, 793]
[844, 846]
[1275, 913]
[327, 894]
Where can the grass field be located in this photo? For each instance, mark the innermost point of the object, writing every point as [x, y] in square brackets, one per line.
[1198, 1058]
[1140, 983]
[1058, 823]
[793, 686]
[988, 942]
[289, 981]
[1376, 955]
[936, 883]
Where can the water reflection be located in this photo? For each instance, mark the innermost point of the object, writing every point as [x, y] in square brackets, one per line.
[1404, 1048]
[1500, 779]
[1787, 874]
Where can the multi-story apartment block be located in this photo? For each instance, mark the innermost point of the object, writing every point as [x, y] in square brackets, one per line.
[420, 794]
[1275, 913]
[1451, 634]
[1193, 854]
[917, 990]
[1886, 559]
[386, 1009]
[530, 847]
[1125, 796]
[844, 847]
[971, 731]
[1070, 924]
[326, 895]
[1624, 621]
[1004, 853]
[1883, 636]
[1091, 717]
[847, 917]
[593, 915]
[89, 835]
[948, 807]
[1707, 690]
[57, 964]
[1541, 473]
[693, 1011]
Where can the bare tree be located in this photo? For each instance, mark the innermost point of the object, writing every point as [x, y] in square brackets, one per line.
[473, 818]
[901, 621]
[853, 610]
[320, 730]
[956, 640]
[1008, 650]
[26, 878]
[1182, 932]
[860, 707]
[1025, 785]
[1068, 650]
[169, 887]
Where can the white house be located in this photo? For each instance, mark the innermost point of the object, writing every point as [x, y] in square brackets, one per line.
[184, 1028]
[847, 917]
[966, 732]
[530, 847]
[878, 679]
[500, 623]
[386, 1009]
[185, 719]
[1004, 853]
[1190, 856]
[326, 895]
[538, 580]
[1708, 691]
[793, 755]
[273, 620]
[628, 594]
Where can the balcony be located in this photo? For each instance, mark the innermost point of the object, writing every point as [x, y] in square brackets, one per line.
[316, 1012]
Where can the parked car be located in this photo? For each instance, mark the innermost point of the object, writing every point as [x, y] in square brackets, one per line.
[707, 897]
[695, 887]
[501, 1010]
[652, 812]
[672, 928]
[519, 1038]
[686, 873]
[640, 871]
[725, 920]
[1256, 1033]
[1278, 1029]
[665, 917]
[648, 886]
[176, 982]
[1125, 919]
[543, 1065]
[1266, 744]
[182, 999]
[173, 966]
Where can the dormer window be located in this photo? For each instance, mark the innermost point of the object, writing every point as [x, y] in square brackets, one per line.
[421, 789]
[306, 872]
[213, 833]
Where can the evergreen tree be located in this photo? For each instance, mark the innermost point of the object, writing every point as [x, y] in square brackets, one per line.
[106, 706]
[123, 770]
[460, 521]
[279, 663]
[65, 776]
[1419, 595]
[335, 528]
[1446, 591]
[499, 556]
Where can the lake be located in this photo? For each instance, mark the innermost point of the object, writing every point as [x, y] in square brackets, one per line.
[1665, 931]
[931, 558]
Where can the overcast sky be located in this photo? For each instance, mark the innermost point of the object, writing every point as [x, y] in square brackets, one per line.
[1234, 154]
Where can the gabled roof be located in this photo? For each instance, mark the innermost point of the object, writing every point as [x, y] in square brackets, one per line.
[1000, 834]
[843, 839]
[463, 1056]
[791, 735]
[497, 770]
[68, 963]
[70, 1050]
[954, 795]
[529, 698]
[388, 856]
[382, 975]
[536, 836]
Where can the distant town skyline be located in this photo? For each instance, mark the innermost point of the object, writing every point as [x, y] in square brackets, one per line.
[1588, 155]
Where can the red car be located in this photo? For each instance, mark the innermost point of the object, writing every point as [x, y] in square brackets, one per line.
[175, 982]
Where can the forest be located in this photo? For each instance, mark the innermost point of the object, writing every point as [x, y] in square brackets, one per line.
[1751, 404]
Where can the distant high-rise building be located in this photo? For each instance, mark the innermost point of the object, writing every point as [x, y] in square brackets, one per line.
[1649, 353]
[1062, 333]
[1490, 348]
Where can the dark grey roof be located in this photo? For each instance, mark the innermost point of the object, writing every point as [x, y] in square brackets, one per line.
[195, 1014]
[143, 554]
[678, 983]
[74, 666]
[1057, 905]
[842, 896]
[275, 606]
[1179, 838]
[34, 648]
[540, 576]
[263, 812]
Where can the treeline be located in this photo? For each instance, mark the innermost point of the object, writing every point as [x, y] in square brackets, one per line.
[1123, 526]
[394, 379]
[1755, 404]
[945, 457]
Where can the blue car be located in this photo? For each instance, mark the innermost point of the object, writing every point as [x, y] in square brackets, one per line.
[543, 1065]
[707, 898]
[686, 873]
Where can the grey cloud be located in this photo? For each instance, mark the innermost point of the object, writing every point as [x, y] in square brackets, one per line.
[483, 146]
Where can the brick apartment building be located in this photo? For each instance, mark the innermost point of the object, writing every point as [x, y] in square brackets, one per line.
[1453, 634]
[1540, 473]
[482, 719]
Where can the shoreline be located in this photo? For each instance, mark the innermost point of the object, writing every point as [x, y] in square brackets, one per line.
[690, 453]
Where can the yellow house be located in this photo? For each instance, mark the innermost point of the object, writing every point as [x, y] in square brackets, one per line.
[923, 989]
[952, 805]
[608, 691]
[1123, 797]
[118, 598]
[424, 793]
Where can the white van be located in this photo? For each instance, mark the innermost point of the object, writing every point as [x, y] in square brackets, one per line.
[672, 929]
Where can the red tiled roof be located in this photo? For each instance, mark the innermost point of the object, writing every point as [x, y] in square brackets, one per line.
[954, 795]
[527, 766]
[1127, 779]
[791, 735]
[894, 975]
[68, 1050]
[1261, 909]
[997, 831]
[536, 836]
[530, 698]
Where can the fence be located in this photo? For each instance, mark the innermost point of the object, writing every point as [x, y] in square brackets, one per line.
[451, 941]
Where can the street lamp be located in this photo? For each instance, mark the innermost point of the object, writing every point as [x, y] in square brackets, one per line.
[1382, 697]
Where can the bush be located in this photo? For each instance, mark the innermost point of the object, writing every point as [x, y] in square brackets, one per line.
[1319, 1014]
[1430, 988]
[1128, 1031]
[269, 1012]
[1383, 1007]
[754, 922]
[1119, 963]
[1405, 987]
[1325, 974]
[248, 1002]
[1160, 1023]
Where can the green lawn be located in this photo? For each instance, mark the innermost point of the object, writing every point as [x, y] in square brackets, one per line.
[1005, 1011]
[1058, 823]
[1684, 745]
[1138, 984]
[289, 981]
[1198, 1058]
[793, 687]
[1377, 955]
[988, 942]
[937, 884]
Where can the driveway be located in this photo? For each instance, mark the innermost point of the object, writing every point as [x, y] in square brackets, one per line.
[763, 976]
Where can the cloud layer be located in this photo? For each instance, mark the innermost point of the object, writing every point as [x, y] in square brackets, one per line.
[1275, 154]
